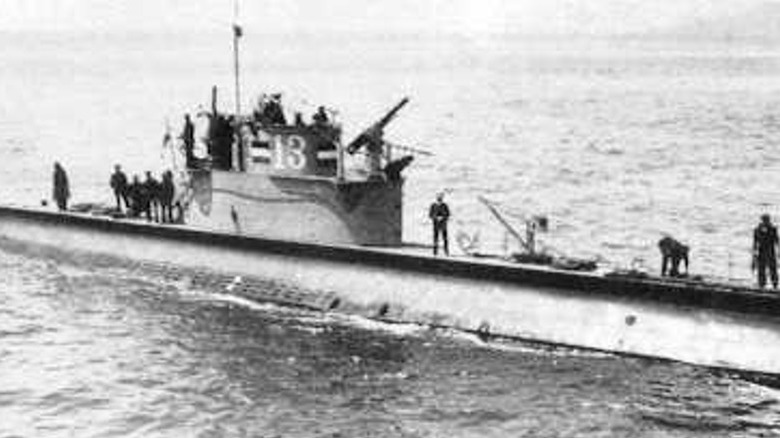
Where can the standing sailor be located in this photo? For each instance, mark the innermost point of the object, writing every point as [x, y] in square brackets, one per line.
[61, 191]
[188, 137]
[167, 192]
[152, 187]
[135, 193]
[119, 185]
[440, 214]
[764, 255]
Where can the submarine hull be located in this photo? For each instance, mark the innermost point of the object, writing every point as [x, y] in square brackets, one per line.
[705, 324]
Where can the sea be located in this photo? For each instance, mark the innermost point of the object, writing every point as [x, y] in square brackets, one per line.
[616, 141]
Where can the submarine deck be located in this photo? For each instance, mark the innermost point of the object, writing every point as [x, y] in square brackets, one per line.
[730, 297]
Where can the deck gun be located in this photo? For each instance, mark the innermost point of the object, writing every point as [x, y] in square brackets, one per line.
[372, 135]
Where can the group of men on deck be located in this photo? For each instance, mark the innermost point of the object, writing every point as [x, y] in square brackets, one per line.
[764, 261]
[150, 197]
[673, 252]
[269, 111]
[154, 199]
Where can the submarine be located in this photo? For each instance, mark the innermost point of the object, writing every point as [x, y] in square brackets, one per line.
[271, 212]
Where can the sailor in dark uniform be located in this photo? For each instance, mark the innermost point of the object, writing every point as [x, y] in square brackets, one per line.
[188, 138]
[673, 252]
[61, 191]
[167, 192]
[139, 202]
[119, 185]
[440, 214]
[152, 203]
[764, 255]
[273, 110]
[320, 118]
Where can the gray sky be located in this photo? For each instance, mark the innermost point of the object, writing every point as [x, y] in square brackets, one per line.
[464, 16]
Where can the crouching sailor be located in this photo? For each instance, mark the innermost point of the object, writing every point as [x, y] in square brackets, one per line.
[764, 256]
[673, 252]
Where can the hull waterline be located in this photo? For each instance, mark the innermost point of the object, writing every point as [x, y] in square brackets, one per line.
[705, 325]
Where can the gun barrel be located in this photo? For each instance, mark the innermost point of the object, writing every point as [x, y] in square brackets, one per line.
[391, 114]
[374, 132]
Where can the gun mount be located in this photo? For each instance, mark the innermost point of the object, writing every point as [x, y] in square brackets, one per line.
[373, 134]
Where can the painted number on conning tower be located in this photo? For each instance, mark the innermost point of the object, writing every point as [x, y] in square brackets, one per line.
[289, 152]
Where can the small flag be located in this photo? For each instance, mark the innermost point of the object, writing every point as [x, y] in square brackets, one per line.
[167, 138]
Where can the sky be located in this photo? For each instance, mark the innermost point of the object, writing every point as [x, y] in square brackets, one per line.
[600, 17]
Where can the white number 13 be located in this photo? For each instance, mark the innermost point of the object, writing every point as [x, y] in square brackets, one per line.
[290, 154]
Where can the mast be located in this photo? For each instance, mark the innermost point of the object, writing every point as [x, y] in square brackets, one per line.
[237, 33]
[238, 146]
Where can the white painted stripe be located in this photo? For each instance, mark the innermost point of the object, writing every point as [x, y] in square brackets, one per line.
[327, 155]
[260, 153]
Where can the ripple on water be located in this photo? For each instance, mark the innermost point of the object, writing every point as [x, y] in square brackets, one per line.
[699, 401]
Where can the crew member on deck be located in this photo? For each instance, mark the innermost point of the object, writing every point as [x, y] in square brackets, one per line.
[167, 192]
[440, 214]
[119, 185]
[138, 199]
[259, 112]
[188, 137]
[673, 252]
[320, 118]
[273, 110]
[152, 187]
[764, 255]
[61, 191]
